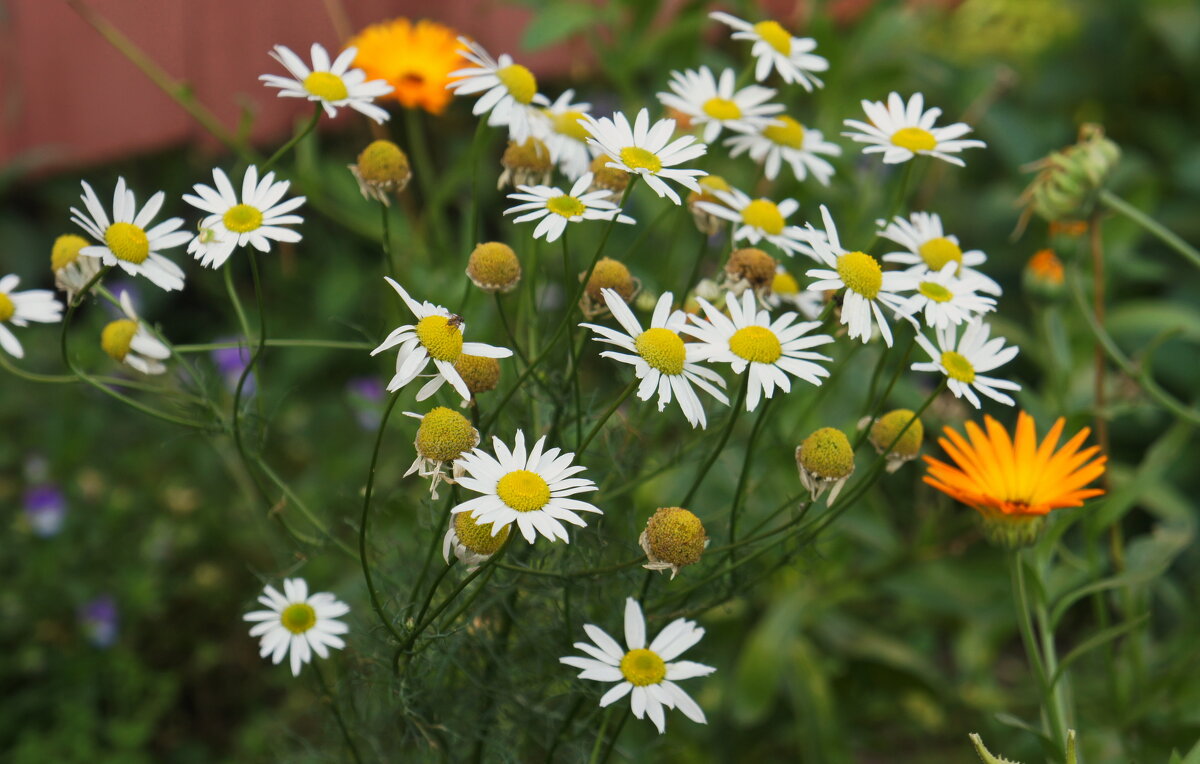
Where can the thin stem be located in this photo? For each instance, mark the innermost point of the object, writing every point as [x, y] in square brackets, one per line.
[571, 355]
[508, 328]
[285, 148]
[295, 500]
[743, 477]
[387, 239]
[596, 746]
[695, 268]
[366, 514]
[337, 713]
[423, 161]
[473, 218]
[71, 379]
[262, 338]
[605, 416]
[1053, 722]
[716, 452]
[1100, 367]
[280, 343]
[1152, 226]
[906, 181]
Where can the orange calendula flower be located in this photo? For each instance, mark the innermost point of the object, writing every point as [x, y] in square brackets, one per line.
[1015, 482]
[415, 58]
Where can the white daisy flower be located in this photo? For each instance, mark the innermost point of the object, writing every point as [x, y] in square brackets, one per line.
[758, 219]
[19, 308]
[72, 272]
[785, 290]
[927, 248]
[642, 671]
[531, 489]
[901, 131]
[297, 623]
[943, 298]
[660, 358]
[127, 243]
[511, 98]
[715, 105]
[256, 219]
[438, 337]
[647, 150]
[748, 338]
[962, 359]
[786, 140]
[555, 209]
[867, 285]
[471, 542]
[128, 341]
[776, 48]
[563, 133]
[334, 84]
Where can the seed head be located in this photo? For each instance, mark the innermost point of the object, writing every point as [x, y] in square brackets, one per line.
[382, 169]
[674, 538]
[494, 267]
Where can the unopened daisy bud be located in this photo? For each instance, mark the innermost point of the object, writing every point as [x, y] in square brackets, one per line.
[825, 459]
[885, 430]
[382, 169]
[1069, 180]
[1043, 276]
[442, 437]
[472, 542]
[674, 538]
[72, 272]
[706, 222]
[608, 274]
[749, 268]
[494, 267]
[525, 164]
[605, 178]
[479, 372]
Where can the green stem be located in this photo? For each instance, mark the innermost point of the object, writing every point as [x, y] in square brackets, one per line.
[285, 148]
[366, 514]
[1152, 226]
[473, 218]
[508, 329]
[743, 477]
[1052, 719]
[304, 509]
[572, 357]
[387, 239]
[337, 713]
[423, 160]
[605, 416]
[71, 379]
[695, 268]
[262, 338]
[716, 452]
[906, 182]
[280, 343]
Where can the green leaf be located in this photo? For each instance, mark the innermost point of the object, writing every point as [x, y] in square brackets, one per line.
[1096, 640]
[985, 755]
[556, 23]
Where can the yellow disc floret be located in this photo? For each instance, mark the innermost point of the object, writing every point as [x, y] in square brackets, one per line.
[938, 252]
[519, 81]
[128, 242]
[643, 667]
[242, 218]
[914, 139]
[476, 537]
[566, 206]
[765, 215]
[444, 435]
[66, 250]
[479, 372]
[888, 426]
[722, 109]
[827, 454]
[610, 274]
[790, 133]
[637, 158]
[958, 367]
[567, 123]
[384, 162]
[326, 85]
[860, 273]
[775, 36]
[298, 618]
[523, 490]
[116, 338]
[7, 308]
[675, 535]
[785, 283]
[442, 340]
[663, 349]
[494, 267]
[935, 291]
[756, 344]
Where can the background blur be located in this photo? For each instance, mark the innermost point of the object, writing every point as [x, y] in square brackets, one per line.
[129, 551]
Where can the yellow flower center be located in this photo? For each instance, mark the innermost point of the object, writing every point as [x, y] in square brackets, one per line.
[722, 109]
[958, 367]
[442, 341]
[642, 667]
[757, 344]
[128, 242]
[637, 158]
[662, 349]
[827, 454]
[765, 215]
[775, 36]
[326, 85]
[785, 283]
[523, 490]
[444, 435]
[935, 291]
[242, 218]
[567, 206]
[675, 535]
[519, 81]
[937, 252]
[298, 618]
[66, 250]
[914, 139]
[790, 133]
[7, 309]
[860, 273]
[477, 537]
[116, 338]
[567, 123]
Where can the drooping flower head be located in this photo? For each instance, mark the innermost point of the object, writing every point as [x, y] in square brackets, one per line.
[332, 84]
[902, 130]
[127, 340]
[786, 140]
[415, 58]
[256, 218]
[297, 624]
[647, 150]
[714, 104]
[776, 48]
